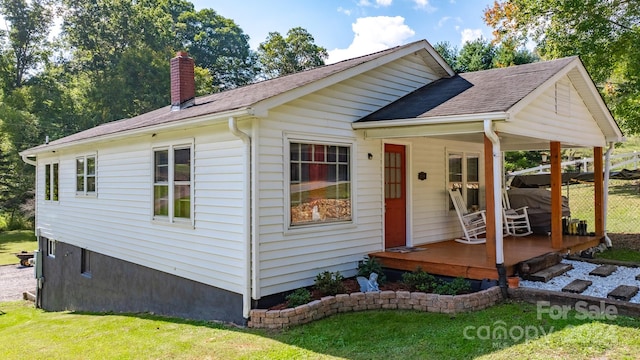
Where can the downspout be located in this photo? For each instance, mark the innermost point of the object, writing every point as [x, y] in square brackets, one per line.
[497, 204]
[246, 139]
[607, 169]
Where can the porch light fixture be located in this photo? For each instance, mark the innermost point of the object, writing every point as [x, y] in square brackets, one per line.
[370, 156]
[545, 156]
[422, 175]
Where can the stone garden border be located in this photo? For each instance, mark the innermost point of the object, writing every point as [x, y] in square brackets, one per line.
[359, 301]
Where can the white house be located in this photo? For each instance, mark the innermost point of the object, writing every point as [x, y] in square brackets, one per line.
[213, 205]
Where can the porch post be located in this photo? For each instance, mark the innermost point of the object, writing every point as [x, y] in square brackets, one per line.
[556, 196]
[598, 185]
[489, 201]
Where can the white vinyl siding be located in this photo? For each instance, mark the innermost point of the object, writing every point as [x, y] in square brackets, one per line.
[117, 223]
[558, 114]
[291, 258]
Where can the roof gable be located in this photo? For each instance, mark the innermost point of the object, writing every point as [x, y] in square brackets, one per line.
[480, 92]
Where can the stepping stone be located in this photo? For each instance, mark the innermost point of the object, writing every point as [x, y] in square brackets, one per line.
[577, 286]
[623, 292]
[549, 273]
[604, 270]
[638, 277]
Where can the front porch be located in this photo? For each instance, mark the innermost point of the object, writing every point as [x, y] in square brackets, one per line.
[450, 258]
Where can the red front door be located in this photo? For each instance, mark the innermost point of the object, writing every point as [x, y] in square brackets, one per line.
[395, 196]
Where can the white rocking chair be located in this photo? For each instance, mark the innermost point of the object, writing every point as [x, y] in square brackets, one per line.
[516, 221]
[473, 224]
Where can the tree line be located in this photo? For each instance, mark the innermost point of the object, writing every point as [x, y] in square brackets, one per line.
[110, 60]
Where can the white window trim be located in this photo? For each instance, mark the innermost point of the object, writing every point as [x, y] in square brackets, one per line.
[85, 192]
[319, 140]
[464, 154]
[50, 253]
[51, 182]
[170, 218]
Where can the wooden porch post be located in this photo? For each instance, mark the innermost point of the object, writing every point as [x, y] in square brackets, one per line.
[490, 245]
[556, 196]
[598, 185]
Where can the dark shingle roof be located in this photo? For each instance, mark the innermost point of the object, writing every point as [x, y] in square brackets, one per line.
[495, 90]
[234, 99]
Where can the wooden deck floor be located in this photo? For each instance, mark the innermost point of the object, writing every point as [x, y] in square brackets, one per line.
[451, 258]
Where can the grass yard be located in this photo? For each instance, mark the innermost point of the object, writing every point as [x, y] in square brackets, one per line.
[15, 241]
[32, 333]
[624, 202]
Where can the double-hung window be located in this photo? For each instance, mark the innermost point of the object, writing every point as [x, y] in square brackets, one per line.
[51, 183]
[172, 183]
[86, 175]
[320, 183]
[464, 175]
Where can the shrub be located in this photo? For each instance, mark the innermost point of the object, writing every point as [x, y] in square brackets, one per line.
[329, 283]
[456, 286]
[419, 280]
[371, 265]
[299, 297]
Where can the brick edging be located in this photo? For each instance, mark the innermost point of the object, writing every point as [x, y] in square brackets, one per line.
[358, 301]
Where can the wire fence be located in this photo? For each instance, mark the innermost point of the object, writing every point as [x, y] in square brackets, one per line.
[623, 205]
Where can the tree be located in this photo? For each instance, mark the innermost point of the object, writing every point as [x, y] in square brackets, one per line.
[476, 55]
[218, 45]
[605, 33]
[30, 22]
[297, 52]
[481, 55]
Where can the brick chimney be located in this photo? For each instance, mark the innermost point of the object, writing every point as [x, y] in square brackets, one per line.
[183, 85]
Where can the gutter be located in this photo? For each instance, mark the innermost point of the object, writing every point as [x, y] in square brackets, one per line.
[246, 139]
[26, 159]
[431, 120]
[497, 204]
[607, 169]
[204, 119]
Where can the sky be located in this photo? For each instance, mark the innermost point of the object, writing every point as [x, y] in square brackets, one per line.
[350, 28]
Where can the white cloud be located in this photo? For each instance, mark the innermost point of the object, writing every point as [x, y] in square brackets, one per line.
[378, 3]
[373, 34]
[424, 5]
[470, 35]
[445, 19]
[344, 11]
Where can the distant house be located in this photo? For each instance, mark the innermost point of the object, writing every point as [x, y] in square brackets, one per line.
[214, 205]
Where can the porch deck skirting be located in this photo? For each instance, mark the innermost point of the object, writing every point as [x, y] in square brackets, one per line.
[358, 301]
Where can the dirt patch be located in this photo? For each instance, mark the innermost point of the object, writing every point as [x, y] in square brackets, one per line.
[625, 241]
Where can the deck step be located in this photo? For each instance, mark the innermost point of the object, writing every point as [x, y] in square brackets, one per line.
[577, 286]
[549, 273]
[539, 263]
[604, 270]
[623, 292]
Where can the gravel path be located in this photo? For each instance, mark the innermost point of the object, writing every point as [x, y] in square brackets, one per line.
[14, 280]
[601, 285]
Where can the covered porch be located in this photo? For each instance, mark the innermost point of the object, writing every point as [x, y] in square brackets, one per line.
[451, 258]
[547, 106]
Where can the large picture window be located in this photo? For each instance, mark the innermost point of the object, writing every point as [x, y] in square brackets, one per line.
[320, 183]
[172, 183]
[86, 175]
[464, 174]
[51, 182]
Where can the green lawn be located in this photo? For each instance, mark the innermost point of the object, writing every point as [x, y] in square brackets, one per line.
[15, 241]
[35, 334]
[623, 204]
